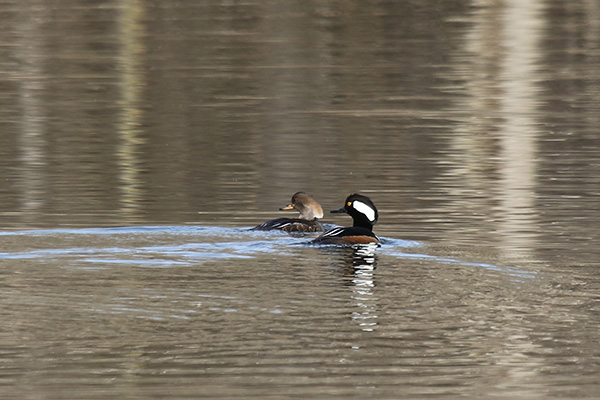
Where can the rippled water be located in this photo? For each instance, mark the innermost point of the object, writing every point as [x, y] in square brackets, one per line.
[148, 311]
[139, 142]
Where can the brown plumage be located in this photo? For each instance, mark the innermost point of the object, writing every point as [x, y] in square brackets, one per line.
[310, 210]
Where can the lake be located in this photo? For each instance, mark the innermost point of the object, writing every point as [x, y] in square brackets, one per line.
[140, 142]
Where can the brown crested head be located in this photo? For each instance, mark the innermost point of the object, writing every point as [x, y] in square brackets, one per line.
[306, 205]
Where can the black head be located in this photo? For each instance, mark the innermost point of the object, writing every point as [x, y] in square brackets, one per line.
[361, 209]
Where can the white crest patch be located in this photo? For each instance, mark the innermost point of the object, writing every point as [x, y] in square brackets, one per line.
[364, 209]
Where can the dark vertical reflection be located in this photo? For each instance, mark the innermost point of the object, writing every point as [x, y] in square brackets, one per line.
[296, 84]
[570, 149]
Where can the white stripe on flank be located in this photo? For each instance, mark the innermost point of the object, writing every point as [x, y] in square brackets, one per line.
[364, 209]
[332, 232]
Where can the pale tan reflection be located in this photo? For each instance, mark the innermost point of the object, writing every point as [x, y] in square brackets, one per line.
[518, 132]
[132, 33]
[498, 145]
[32, 142]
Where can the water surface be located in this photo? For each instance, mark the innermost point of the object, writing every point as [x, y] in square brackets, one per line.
[139, 141]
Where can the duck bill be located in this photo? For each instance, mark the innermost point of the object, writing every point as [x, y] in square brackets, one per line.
[286, 208]
[339, 211]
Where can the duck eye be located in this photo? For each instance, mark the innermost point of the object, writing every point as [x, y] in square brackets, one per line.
[349, 204]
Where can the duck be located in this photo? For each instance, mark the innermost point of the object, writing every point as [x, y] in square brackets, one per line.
[363, 213]
[310, 212]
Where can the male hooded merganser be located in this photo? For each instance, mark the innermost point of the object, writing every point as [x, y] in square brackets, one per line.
[310, 210]
[364, 213]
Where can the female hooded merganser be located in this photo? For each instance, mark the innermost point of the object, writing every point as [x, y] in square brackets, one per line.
[364, 213]
[310, 210]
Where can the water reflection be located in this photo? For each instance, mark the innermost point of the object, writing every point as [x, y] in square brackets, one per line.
[33, 120]
[358, 263]
[498, 149]
[232, 304]
[473, 124]
[518, 129]
[364, 262]
[131, 116]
